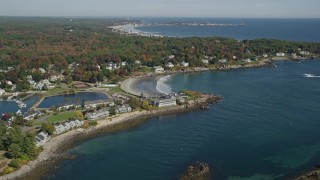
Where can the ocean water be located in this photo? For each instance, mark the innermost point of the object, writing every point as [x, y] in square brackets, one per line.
[266, 127]
[284, 29]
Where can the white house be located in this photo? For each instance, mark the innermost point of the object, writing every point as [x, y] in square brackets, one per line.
[170, 56]
[205, 61]
[31, 115]
[123, 63]
[42, 138]
[184, 64]
[123, 109]
[94, 104]
[169, 65]
[158, 69]
[2, 91]
[64, 127]
[280, 54]
[137, 62]
[222, 60]
[59, 129]
[304, 53]
[42, 70]
[246, 60]
[164, 102]
[265, 55]
[98, 114]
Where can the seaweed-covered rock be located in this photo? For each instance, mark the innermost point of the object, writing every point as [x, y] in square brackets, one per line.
[198, 171]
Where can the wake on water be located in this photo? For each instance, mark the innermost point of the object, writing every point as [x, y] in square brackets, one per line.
[162, 85]
[310, 76]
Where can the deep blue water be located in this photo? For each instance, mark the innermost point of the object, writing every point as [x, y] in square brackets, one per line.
[74, 98]
[284, 29]
[11, 107]
[266, 127]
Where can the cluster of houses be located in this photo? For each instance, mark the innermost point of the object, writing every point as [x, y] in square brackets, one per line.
[66, 126]
[101, 113]
[43, 84]
[105, 112]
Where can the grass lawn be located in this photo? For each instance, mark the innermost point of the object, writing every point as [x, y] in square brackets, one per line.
[64, 116]
[56, 91]
[114, 90]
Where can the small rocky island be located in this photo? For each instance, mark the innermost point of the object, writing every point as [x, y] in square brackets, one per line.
[197, 171]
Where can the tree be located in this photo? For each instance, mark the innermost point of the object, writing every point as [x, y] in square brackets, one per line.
[15, 151]
[49, 128]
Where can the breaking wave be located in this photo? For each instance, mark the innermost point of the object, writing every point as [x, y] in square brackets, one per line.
[310, 76]
[163, 86]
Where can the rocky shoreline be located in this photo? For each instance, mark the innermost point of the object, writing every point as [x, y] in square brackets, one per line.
[53, 150]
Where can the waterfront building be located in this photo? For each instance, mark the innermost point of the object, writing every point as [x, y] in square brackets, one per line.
[165, 102]
[31, 115]
[42, 138]
[222, 60]
[123, 109]
[205, 61]
[184, 64]
[169, 65]
[158, 69]
[98, 114]
[2, 91]
[95, 104]
[66, 126]
[280, 54]
[68, 106]
[304, 53]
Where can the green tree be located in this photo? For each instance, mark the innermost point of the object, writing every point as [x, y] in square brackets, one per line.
[15, 151]
[49, 128]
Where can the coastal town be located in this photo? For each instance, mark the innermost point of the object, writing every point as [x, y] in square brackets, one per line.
[113, 75]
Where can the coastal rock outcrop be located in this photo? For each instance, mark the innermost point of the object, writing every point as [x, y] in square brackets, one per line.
[197, 171]
[313, 175]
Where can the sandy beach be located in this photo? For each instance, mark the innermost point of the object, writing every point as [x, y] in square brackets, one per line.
[143, 84]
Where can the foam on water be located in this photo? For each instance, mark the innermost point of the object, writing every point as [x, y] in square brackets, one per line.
[163, 86]
[310, 76]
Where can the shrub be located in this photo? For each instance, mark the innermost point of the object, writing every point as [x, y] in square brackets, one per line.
[8, 170]
[15, 163]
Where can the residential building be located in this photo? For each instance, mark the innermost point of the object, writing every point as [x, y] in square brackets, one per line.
[280, 54]
[137, 62]
[66, 126]
[2, 91]
[184, 64]
[123, 109]
[31, 115]
[42, 138]
[67, 106]
[265, 55]
[94, 104]
[222, 60]
[246, 60]
[158, 69]
[304, 53]
[205, 61]
[169, 65]
[164, 102]
[98, 114]
[59, 129]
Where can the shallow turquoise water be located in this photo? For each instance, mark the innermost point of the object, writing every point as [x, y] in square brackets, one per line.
[266, 127]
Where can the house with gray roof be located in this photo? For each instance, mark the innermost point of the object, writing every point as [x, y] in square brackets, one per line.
[42, 138]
